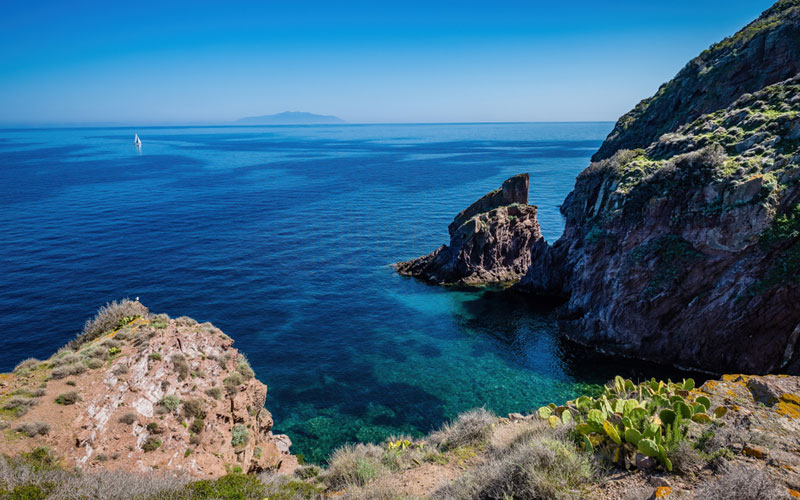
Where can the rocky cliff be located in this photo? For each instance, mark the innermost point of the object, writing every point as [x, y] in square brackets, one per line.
[764, 52]
[682, 242]
[489, 241]
[140, 392]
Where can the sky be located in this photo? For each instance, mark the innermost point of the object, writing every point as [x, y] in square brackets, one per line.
[170, 61]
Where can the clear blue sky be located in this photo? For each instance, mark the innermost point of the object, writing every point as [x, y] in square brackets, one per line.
[147, 62]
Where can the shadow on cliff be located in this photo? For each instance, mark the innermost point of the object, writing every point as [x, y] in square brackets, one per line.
[504, 314]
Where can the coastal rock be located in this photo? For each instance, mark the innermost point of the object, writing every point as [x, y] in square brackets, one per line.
[764, 52]
[490, 241]
[154, 393]
[686, 251]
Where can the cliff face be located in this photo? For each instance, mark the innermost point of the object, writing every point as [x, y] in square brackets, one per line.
[489, 241]
[686, 250]
[764, 52]
[153, 392]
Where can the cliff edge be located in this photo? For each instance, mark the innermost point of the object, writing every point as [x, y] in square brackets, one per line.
[140, 392]
[682, 243]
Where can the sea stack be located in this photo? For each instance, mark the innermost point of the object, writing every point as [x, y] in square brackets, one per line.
[490, 241]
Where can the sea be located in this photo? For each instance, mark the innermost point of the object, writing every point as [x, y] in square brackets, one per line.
[284, 237]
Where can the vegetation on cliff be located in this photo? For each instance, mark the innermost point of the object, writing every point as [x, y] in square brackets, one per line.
[762, 53]
[138, 391]
[655, 439]
[680, 242]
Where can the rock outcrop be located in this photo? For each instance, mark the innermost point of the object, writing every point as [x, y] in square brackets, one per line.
[686, 250]
[489, 241]
[764, 52]
[153, 393]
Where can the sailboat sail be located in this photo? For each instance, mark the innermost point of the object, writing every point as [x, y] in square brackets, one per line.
[137, 141]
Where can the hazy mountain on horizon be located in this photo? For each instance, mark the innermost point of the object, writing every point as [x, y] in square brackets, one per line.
[289, 118]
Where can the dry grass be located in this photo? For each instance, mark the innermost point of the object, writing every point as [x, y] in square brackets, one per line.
[19, 405]
[743, 483]
[26, 366]
[354, 465]
[32, 429]
[35, 476]
[108, 318]
[540, 467]
[68, 371]
[469, 429]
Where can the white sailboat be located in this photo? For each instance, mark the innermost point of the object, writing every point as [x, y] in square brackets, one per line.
[137, 141]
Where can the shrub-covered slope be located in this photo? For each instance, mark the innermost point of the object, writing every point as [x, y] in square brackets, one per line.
[730, 438]
[764, 52]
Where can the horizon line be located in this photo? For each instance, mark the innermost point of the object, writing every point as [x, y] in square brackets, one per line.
[90, 125]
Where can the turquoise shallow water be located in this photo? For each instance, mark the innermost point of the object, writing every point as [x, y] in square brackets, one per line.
[283, 237]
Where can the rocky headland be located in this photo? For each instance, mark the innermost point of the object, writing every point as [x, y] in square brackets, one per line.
[141, 392]
[489, 241]
[682, 238]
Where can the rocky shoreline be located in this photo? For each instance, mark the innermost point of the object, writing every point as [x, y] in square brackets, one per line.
[682, 238]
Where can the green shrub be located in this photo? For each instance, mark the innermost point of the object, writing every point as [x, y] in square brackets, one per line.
[194, 408]
[159, 321]
[240, 436]
[232, 383]
[65, 358]
[170, 403]
[181, 366]
[214, 392]
[151, 444]
[244, 369]
[68, 398]
[155, 356]
[129, 418]
[94, 364]
[230, 487]
[468, 429]
[27, 492]
[154, 428]
[198, 424]
[543, 467]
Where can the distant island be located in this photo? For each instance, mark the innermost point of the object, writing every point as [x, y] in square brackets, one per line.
[290, 118]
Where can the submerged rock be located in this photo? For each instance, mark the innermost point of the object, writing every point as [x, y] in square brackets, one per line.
[490, 241]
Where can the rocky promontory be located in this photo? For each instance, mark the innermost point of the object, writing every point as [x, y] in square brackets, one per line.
[685, 249]
[682, 238]
[489, 241]
[140, 392]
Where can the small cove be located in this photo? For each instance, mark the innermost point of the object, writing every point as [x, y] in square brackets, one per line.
[283, 237]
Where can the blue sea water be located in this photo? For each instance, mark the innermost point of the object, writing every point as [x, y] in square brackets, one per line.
[283, 237]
